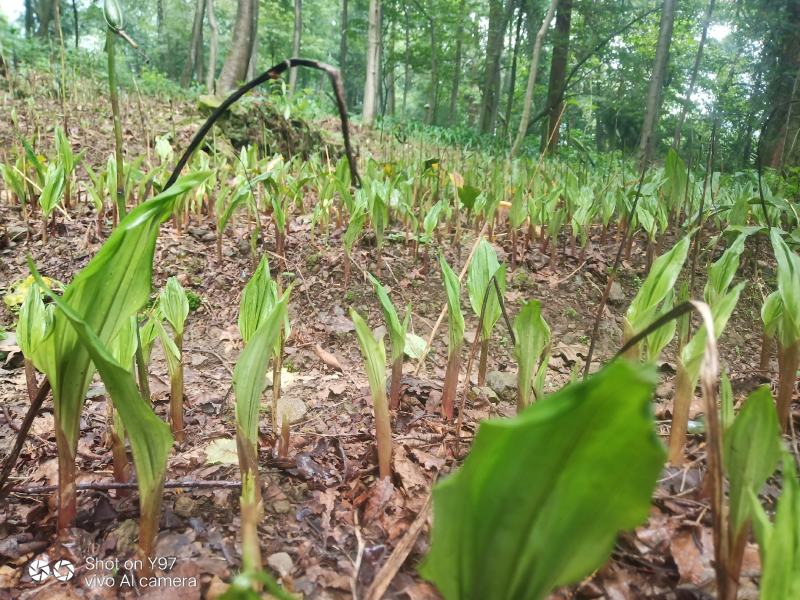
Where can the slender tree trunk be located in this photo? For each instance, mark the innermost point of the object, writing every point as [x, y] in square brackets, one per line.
[558, 74]
[373, 60]
[343, 39]
[252, 62]
[431, 117]
[647, 141]
[29, 19]
[498, 18]
[512, 84]
[298, 29]
[212, 49]
[75, 22]
[779, 143]
[235, 67]
[676, 142]
[407, 61]
[391, 67]
[537, 49]
[453, 114]
[195, 45]
[159, 18]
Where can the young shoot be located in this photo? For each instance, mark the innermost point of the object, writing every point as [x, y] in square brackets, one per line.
[174, 305]
[532, 352]
[455, 320]
[375, 359]
[482, 269]
[397, 335]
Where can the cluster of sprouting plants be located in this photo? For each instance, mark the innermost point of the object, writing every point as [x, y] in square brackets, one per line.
[590, 444]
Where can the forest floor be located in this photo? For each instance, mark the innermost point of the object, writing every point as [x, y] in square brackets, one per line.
[329, 523]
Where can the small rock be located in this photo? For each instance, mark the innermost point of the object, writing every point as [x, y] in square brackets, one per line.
[281, 562]
[615, 294]
[185, 506]
[504, 384]
[483, 393]
[294, 409]
[281, 506]
[664, 390]
[216, 588]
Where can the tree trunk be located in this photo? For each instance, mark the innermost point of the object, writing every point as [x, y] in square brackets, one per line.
[676, 141]
[391, 67]
[779, 141]
[647, 141]
[235, 67]
[498, 17]
[195, 45]
[407, 61]
[159, 18]
[558, 75]
[512, 84]
[373, 60]
[343, 39]
[453, 115]
[537, 49]
[75, 22]
[432, 94]
[252, 62]
[44, 10]
[212, 48]
[29, 19]
[298, 28]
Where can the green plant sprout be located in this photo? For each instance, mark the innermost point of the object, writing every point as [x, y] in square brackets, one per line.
[397, 335]
[483, 267]
[375, 360]
[455, 320]
[532, 352]
[174, 305]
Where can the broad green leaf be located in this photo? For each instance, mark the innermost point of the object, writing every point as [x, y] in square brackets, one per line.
[772, 313]
[675, 171]
[174, 305]
[540, 499]
[397, 329]
[149, 436]
[123, 346]
[484, 265]
[788, 285]
[692, 353]
[661, 279]
[726, 412]
[171, 350]
[249, 375]
[722, 272]
[374, 355]
[661, 337]
[455, 318]
[779, 542]
[258, 298]
[751, 454]
[53, 189]
[113, 286]
[533, 340]
[34, 325]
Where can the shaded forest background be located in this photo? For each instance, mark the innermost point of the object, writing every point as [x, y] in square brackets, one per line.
[613, 75]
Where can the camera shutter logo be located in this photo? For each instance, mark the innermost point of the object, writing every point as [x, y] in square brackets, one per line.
[39, 569]
[63, 570]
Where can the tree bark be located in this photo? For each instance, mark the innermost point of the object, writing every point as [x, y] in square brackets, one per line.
[537, 49]
[44, 10]
[780, 137]
[373, 60]
[498, 18]
[558, 75]
[212, 48]
[430, 119]
[252, 62]
[407, 61]
[195, 45]
[647, 141]
[29, 19]
[298, 28]
[676, 141]
[512, 84]
[235, 67]
[453, 115]
[75, 21]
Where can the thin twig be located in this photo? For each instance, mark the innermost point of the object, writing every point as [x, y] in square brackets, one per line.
[105, 486]
[11, 460]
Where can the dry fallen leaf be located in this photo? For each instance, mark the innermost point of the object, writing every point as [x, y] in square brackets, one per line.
[328, 358]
